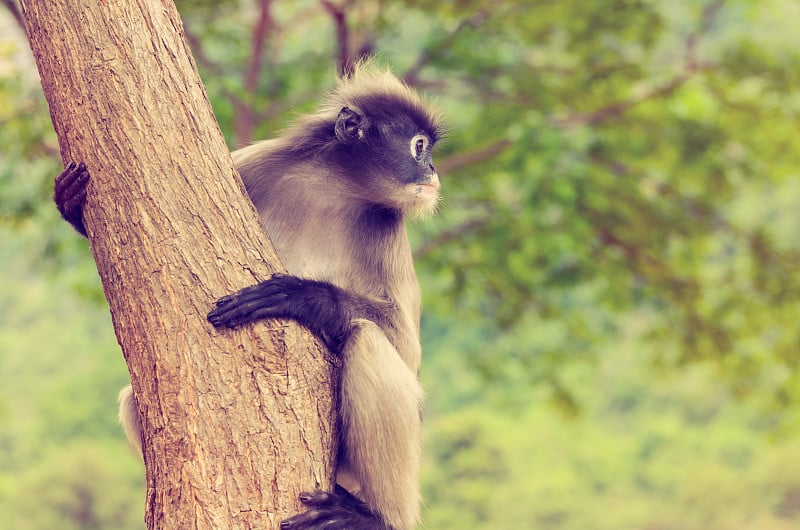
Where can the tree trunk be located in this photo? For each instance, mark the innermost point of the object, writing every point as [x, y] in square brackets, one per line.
[236, 423]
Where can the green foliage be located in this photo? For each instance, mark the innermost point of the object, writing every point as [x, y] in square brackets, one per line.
[63, 459]
[670, 452]
[625, 165]
[611, 289]
[74, 487]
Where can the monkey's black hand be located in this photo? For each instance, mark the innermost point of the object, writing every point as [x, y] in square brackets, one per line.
[334, 511]
[319, 306]
[70, 194]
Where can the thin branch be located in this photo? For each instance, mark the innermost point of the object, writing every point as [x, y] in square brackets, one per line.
[752, 239]
[693, 206]
[619, 108]
[263, 25]
[198, 52]
[452, 234]
[245, 117]
[459, 160]
[691, 66]
[411, 76]
[706, 20]
[339, 16]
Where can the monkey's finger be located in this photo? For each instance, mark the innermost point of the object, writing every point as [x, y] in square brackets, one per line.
[263, 290]
[235, 315]
[71, 182]
[316, 520]
[70, 206]
[70, 194]
[333, 511]
[225, 317]
[249, 302]
[268, 302]
[306, 520]
[72, 172]
[318, 499]
[68, 169]
[70, 199]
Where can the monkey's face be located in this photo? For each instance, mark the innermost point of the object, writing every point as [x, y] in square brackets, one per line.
[416, 180]
[403, 169]
[388, 154]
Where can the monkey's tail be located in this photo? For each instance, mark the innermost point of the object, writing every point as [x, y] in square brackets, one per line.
[129, 418]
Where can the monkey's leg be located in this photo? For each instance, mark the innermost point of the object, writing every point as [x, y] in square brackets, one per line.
[381, 400]
[380, 411]
[70, 194]
[380, 414]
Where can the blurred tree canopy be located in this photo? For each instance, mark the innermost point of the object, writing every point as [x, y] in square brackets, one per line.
[620, 181]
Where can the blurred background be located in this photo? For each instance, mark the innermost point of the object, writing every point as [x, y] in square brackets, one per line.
[611, 288]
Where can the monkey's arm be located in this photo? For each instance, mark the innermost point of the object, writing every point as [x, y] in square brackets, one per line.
[70, 194]
[328, 311]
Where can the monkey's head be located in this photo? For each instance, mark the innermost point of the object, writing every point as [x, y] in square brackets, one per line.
[385, 134]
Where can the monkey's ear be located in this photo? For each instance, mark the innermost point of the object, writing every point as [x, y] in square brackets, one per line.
[348, 126]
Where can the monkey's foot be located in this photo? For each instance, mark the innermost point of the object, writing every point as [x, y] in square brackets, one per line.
[339, 510]
[70, 194]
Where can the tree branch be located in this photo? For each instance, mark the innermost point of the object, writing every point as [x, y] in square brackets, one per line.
[245, 117]
[171, 230]
[706, 20]
[203, 59]
[339, 17]
[619, 108]
[451, 234]
[691, 65]
[198, 52]
[459, 160]
[411, 77]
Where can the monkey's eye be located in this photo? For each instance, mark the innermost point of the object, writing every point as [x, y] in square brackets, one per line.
[419, 144]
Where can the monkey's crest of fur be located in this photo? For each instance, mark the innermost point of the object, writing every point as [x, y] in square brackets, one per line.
[369, 83]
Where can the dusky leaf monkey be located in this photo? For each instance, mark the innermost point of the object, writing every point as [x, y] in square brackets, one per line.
[333, 192]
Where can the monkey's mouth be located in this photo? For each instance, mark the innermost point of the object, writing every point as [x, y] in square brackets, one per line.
[431, 186]
[424, 193]
[422, 197]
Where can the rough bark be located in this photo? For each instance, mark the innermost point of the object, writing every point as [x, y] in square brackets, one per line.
[237, 423]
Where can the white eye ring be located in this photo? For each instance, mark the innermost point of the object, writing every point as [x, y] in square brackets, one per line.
[418, 145]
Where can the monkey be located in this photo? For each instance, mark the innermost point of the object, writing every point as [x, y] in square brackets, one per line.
[333, 192]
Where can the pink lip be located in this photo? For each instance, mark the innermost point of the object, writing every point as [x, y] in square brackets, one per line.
[429, 188]
[433, 183]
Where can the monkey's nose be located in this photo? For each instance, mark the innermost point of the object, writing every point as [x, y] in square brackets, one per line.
[432, 179]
